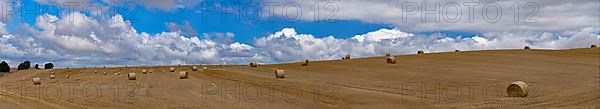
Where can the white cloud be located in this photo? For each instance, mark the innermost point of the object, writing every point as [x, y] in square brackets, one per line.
[3, 30]
[553, 16]
[287, 45]
[96, 42]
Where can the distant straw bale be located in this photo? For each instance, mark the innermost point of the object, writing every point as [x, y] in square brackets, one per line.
[391, 60]
[37, 81]
[131, 76]
[279, 73]
[253, 64]
[346, 57]
[183, 75]
[305, 63]
[194, 68]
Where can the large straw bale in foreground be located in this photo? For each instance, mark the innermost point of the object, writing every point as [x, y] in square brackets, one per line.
[517, 89]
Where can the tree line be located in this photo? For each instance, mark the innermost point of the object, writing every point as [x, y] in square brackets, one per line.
[4, 67]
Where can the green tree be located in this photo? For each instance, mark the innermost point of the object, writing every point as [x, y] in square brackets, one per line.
[4, 67]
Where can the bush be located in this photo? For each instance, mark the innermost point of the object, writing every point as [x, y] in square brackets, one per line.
[48, 66]
[25, 65]
[36, 66]
[4, 67]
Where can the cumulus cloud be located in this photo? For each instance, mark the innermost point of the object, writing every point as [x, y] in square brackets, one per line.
[287, 45]
[185, 28]
[86, 41]
[3, 30]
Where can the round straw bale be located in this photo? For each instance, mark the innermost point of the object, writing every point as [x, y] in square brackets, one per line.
[346, 57]
[388, 54]
[131, 76]
[517, 89]
[183, 75]
[37, 81]
[104, 73]
[53, 73]
[526, 47]
[594, 46]
[67, 76]
[420, 52]
[172, 69]
[144, 71]
[205, 68]
[52, 76]
[194, 68]
[279, 73]
[391, 60]
[253, 64]
[118, 73]
[305, 62]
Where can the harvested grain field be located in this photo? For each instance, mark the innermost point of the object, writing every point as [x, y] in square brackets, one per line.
[469, 79]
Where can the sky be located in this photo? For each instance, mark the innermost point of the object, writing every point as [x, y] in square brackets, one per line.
[92, 33]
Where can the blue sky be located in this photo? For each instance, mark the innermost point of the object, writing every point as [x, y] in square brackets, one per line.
[248, 27]
[151, 32]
